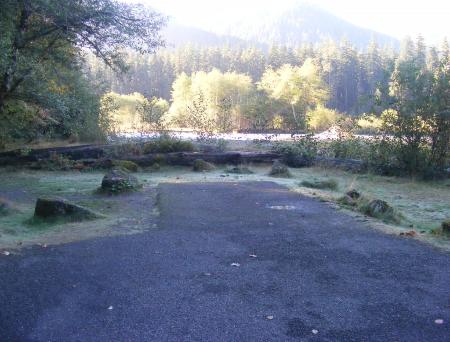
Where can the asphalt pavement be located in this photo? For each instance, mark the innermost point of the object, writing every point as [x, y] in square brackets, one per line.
[231, 262]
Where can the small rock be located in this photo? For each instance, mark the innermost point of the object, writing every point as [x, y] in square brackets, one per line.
[377, 208]
[353, 194]
[439, 321]
[270, 317]
[58, 208]
[315, 332]
[117, 181]
[110, 307]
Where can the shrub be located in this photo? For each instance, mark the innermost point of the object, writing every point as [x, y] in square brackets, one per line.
[330, 184]
[279, 170]
[127, 165]
[168, 145]
[300, 153]
[369, 124]
[348, 148]
[321, 118]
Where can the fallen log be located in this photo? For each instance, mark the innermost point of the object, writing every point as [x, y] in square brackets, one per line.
[20, 157]
[97, 155]
[188, 158]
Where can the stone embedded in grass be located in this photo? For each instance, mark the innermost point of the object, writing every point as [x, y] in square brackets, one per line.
[118, 181]
[379, 209]
[201, 165]
[351, 198]
[279, 170]
[330, 184]
[353, 194]
[52, 209]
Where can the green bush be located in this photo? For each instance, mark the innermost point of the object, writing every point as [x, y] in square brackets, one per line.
[168, 145]
[369, 124]
[127, 165]
[347, 148]
[279, 170]
[321, 118]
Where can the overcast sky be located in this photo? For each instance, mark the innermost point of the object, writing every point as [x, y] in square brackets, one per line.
[398, 18]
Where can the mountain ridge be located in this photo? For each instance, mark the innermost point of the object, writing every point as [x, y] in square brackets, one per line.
[296, 26]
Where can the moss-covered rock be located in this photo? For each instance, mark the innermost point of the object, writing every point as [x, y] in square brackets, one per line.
[117, 181]
[279, 170]
[52, 209]
[379, 209]
[200, 166]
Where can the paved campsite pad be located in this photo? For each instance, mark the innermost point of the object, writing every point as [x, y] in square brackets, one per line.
[315, 269]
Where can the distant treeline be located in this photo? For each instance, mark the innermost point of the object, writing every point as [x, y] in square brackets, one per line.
[358, 81]
[308, 88]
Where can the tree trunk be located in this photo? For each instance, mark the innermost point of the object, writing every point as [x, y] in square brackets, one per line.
[294, 114]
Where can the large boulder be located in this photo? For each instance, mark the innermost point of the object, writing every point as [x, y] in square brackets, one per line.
[58, 208]
[118, 181]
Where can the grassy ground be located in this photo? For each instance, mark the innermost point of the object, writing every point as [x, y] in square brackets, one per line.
[123, 215]
[424, 205]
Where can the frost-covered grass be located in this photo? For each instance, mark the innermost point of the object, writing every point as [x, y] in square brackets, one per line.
[423, 205]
